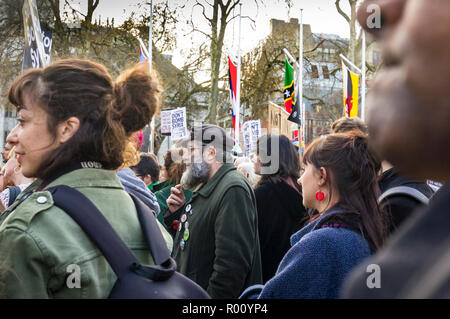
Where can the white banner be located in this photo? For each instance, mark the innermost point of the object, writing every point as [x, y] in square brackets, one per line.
[178, 123]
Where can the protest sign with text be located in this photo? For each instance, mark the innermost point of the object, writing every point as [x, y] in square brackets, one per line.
[178, 123]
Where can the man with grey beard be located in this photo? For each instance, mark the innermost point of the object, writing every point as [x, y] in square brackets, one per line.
[217, 242]
[195, 174]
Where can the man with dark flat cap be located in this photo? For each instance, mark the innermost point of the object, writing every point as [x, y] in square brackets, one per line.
[216, 243]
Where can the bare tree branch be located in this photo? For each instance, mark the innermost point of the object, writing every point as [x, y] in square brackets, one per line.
[342, 13]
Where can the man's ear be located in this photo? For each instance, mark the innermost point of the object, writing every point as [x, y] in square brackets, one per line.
[67, 129]
[210, 154]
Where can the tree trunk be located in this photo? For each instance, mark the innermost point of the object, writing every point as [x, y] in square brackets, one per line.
[353, 40]
[352, 24]
[215, 65]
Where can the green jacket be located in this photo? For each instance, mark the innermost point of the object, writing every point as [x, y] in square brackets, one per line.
[221, 249]
[42, 249]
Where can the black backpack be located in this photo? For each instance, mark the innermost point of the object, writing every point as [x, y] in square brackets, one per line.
[134, 280]
[405, 191]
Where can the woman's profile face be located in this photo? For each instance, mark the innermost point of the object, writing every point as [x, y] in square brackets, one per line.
[32, 139]
[6, 151]
[310, 180]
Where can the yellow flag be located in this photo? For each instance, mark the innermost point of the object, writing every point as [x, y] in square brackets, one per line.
[350, 84]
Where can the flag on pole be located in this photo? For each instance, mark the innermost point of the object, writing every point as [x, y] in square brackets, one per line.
[232, 74]
[142, 57]
[36, 51]
[350, 84]
[296, 114]
[288, 89]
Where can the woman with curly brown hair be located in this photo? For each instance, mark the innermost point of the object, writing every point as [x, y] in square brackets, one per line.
[74, 124]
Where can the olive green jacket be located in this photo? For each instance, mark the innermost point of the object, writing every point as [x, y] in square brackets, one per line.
[45, 254]
[221, 246]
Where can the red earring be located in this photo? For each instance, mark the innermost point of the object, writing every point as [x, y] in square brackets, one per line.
[320, 196]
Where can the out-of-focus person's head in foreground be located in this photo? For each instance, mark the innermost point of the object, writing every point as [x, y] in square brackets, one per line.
[408, 110]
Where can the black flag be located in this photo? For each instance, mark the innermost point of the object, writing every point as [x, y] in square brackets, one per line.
[296, 116]
[31, 57]
[38, 41]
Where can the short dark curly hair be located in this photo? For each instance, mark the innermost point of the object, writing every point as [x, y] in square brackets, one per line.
[147, 166]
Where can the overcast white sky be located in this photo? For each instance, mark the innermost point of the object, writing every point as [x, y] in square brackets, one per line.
[321, 14]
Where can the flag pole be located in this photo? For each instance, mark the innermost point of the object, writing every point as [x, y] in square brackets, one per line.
[300, 86]
[350, 63]
[238, 88]
[150, 37]
[151, 147]
[363, 76]
[143, 46]
[291, 57]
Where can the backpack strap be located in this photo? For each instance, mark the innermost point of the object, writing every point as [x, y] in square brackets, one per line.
[152, 232]
[119, 256]
[404, 190]
[95, 225]
[14, 191]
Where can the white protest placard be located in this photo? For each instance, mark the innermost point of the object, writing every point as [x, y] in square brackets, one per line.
[166, 122]
[255, 133]
[251, 132]
[178, 123]
[246, 137]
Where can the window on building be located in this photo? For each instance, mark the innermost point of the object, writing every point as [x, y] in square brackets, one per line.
[10, 112]
[314, 71]
[325, 71]
[332, 55]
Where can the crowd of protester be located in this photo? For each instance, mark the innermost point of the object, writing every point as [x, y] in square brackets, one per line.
[278, 224]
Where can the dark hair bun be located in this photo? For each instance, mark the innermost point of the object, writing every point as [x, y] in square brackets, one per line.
[136, 94]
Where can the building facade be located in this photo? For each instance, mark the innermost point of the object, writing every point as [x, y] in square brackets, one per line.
[322, 73]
